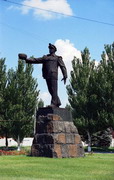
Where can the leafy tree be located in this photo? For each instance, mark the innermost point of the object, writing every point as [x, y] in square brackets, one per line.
[82, 78]
[102, 138]
[105, 88]
[2, 85]
[91, 92]
[68, 107]
[4, 130]
[22, 96]
[40, 103]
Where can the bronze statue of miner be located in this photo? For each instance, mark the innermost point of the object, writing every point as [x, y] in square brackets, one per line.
[50, 64]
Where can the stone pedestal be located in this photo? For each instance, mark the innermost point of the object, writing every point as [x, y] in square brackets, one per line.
[56, 135]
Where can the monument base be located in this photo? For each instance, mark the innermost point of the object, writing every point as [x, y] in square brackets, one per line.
[56, 137]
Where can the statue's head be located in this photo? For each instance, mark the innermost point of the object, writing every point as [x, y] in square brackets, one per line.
[52, 48]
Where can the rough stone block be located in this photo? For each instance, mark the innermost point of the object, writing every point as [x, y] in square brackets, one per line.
[57, 151]
[40, 127]
[65, 150]
[60, 127]
[34, 150]
[65, 114]
[55, 126]
[67, 127]
[46, 150]
[50, 127]
[80, 150]
[77, 139]
[73, 128]
[54, 117]
[42, 151]
[56, 135]
[61, 139]
[70, 138]
[43, 139]
[73, 150]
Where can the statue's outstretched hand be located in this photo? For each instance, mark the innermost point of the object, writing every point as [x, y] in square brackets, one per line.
[64, 79]
[22, 56]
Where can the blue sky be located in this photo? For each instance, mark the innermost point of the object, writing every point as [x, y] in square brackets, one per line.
[29, 30]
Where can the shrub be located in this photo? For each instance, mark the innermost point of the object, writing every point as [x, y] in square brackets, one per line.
[3, 152]
[102, 138]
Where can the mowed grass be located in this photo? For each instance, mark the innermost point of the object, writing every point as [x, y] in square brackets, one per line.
[91, 167]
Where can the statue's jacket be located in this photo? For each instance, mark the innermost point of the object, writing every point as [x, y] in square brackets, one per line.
[50, 66]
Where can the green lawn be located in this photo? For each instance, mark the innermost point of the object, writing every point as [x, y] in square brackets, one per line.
[91, 167]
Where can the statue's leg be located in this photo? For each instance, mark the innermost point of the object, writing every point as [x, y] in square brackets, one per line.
[53, 90]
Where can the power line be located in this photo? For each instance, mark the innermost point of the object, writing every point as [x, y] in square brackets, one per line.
[10, 120]
[32, 35]
[76, 17]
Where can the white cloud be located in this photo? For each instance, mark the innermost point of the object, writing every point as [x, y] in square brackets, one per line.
[67, 50]
[96, 63]
[60, 6]
[45, 96]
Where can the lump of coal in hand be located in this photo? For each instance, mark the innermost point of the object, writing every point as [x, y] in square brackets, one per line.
[22, 56]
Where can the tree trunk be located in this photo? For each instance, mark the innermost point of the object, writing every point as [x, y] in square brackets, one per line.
[89, 141]
[6, 143]
[18, 143]
[35, 122]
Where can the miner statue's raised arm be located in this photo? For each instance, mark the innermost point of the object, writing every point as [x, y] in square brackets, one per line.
[50, 64]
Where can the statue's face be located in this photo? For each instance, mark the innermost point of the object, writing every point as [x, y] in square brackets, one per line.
[51, 50]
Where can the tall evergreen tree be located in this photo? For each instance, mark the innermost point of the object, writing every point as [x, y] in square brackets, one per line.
[91, 92]
[22, 97]
[82, 77]
[4, 130]
[106, 87]
[40, 103]
[2, 84]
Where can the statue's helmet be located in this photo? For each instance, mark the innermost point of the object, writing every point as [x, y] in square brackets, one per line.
[51, 46]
